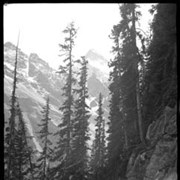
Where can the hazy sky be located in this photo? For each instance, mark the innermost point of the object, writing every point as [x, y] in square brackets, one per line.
[41, 27]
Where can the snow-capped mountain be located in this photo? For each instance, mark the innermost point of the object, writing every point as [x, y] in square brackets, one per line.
[98, 65]
[36, 80]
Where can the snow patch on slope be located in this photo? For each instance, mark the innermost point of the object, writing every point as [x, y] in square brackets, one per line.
[7, 85]
[94, 111]
[100, 66]
[31, 79]
[9, 66]
[30, 92]
[10, 53]
[89, 100]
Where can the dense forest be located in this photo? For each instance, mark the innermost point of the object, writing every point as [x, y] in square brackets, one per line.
[142, 110]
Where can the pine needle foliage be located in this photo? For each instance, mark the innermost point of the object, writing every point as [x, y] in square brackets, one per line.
[160, 81]
[80, 126]
[99, 147]
[64, 149]
[125, 103]
[46, 155]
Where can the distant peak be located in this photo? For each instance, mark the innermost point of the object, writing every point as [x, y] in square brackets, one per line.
[94, 55]
[9, 45]
[93, 51]
[33, 56]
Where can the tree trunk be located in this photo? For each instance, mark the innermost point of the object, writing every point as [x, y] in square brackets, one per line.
[70, 101]
[125, 132]
[139, 113]
[137, 75]
[12, 118]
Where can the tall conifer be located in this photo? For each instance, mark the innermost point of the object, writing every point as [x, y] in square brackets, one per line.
[160, 87]
[24, 167]
[99, 153]
[64, 148]
[44, 133]
[116, 138]
[126, 103]
[80, 128]
[9, 154]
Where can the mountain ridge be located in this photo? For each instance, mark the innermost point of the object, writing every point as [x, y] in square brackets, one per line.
[36, 80]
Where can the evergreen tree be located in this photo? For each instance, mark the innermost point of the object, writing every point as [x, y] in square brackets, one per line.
[160, 81]
[9, 147]
[139, 90]
[24, 167]
[64, 149]
[17, 155]
[103, 144]
[46, 154]
[116, 138]
[22, 164]
[92, 160]
[137, 59]
[80, 128]
[126, 103]
[130, 75]
[98, 154]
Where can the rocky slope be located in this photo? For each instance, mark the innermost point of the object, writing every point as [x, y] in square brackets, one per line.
[157, 160]
[36, 80]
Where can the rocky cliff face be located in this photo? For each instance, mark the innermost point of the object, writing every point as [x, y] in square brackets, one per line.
[36, 80]
[158, 159]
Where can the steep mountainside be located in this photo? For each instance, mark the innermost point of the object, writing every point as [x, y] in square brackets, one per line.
[158, 159]
[36, 80]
